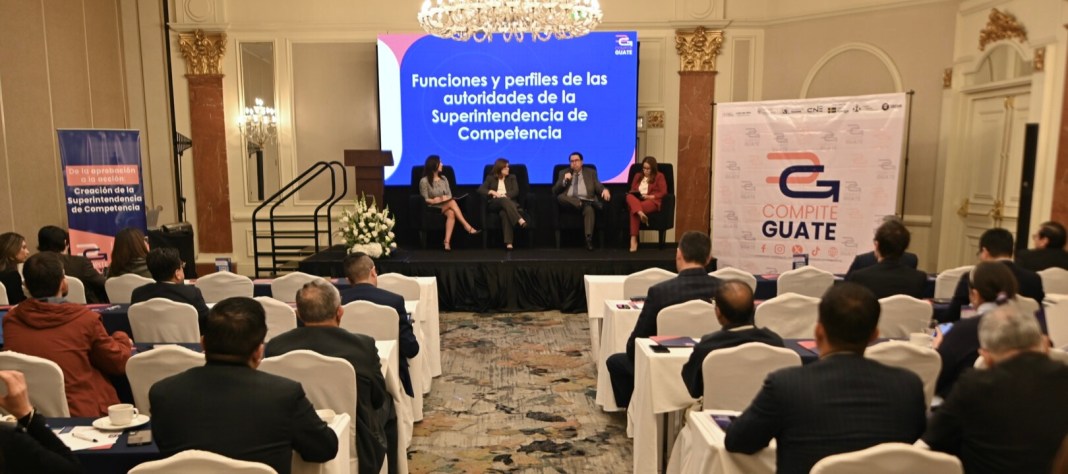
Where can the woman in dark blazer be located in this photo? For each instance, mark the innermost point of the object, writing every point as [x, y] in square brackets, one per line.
[501, 190]
[13, 251]
[647, 189]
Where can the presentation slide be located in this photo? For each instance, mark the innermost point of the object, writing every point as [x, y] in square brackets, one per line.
[532, 103]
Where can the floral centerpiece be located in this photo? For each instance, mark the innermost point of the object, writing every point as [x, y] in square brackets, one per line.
[367, 229]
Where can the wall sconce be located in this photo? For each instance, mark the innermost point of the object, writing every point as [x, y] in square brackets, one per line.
[259, 125]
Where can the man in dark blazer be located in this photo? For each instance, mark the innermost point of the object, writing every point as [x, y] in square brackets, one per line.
[996, 245]
[581, 194]
[55, 239]
[1010, 417]
[319, 308]
[1049, 249]
[734, 310]
[890, 276]
[692, 283]
[843, 402]
[362, 275]
[165, 264]
[866, 260]
[230, 408]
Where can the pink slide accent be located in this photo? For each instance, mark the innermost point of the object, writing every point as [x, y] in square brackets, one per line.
[399, 44]
[102, 175]
[83, 243]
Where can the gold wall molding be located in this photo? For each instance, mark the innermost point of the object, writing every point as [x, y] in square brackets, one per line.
[947, 78]
[654, 119]
[203, 52]
[698, 49]
[1038, 63]
[1000, 26]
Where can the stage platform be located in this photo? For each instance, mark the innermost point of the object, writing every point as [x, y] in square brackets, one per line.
[505, 281]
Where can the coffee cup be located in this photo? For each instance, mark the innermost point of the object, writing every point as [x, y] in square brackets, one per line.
[921, 339]
[121, 414]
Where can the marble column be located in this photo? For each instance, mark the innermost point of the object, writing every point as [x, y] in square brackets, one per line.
[1060, 183]
[697, 50]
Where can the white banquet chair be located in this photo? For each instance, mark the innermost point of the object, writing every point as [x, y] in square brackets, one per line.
[375, 320]
[405, 286]
[44, 382]
[923, 361]
[201, 462]
[146, 368]
[3, 295]
[946, 282]
[807, 281]
[902, 315]
[221, 285]
[280, 316]
[733, 376]
[1054, 280]
[638, 283]
[163, 320]
[75, 290]
[120, 288]
[890, 458]
[1057, 320]
[791, 316]
[1027, 305]
[694, 318]
[731, 273]
[285, 287]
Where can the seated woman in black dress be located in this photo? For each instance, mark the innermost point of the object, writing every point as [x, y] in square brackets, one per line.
[501, 190]
[435, 190]
[13, 251]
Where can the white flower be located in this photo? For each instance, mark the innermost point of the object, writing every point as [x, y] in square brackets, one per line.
[390, 234]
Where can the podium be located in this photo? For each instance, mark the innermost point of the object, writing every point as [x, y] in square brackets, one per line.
[369, 165]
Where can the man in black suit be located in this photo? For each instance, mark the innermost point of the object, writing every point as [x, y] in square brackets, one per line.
[362, 275]
[165, 264]
[890, 276]
[996, 245]
[54, 239]
[230, 408]
[692, 283]
[319, 308]
[1049, 249]
[1010, 417]
[843, 402]
[581, 194]
[734, 310]
[866, 260]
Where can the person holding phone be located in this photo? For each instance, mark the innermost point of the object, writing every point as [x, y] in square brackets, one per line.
[647, 189]
[435, 190]
[28, 445]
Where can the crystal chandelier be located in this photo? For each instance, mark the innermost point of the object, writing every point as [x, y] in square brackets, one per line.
[259, 124]
[462, 20]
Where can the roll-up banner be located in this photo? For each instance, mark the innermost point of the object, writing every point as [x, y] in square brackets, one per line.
[807, 178]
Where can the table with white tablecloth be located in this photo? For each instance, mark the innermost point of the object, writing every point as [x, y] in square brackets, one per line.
[700, 448]
[600, 288]
[658, 390]
[616, 328]
[387, 352]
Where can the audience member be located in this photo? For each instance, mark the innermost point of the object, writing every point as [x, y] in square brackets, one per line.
[890, 276]
[27, 445]
[843, 402]
[55, 239]
[995, 245]
[581, 194]
[13, 252]
[228, 407]
[128, 254]
[361, 273]
[734, 311]
[165, 265]
[692, 283]
[68, 334]
[1011, 416]
[866, 260]
[1049, 249]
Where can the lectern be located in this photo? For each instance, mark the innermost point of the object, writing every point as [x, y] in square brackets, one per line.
[369, 164]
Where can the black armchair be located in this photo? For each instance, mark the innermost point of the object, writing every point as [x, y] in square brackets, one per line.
[570, 219]
[525, 200]
[664, 219]
[422, 217]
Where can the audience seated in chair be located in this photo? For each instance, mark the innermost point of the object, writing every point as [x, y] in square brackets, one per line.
[128, 254]
[166, 267]
[502, 192]
[890, 276]
[1049, 249]
[54, 239]
[68, 334]
[29, 445]
[13, 251]
[866, 260]
[435, 191]
[648, 188]
[580, 195]
[995, 245]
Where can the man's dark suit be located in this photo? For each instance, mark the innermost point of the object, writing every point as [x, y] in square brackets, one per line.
[176, 292]
[81, 268]
[594, 188]
[692, 373]
[1009, 418]
[839, 404]
[866, 260]
[1029, 284]
[891, 277]
[376, 420]
[690, 284]
[1037, 260]
[409, 346]
[958, 351]
[239, 412]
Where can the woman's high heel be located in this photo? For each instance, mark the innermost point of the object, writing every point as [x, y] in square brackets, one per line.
[447, 247]
[472, 230]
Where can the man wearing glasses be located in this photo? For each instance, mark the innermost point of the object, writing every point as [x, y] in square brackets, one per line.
[581, 194]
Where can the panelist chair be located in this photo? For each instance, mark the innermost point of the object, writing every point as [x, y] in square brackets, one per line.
[421, 216]
[664, 219]
[525, 199]
[570, 219]
[44, 382]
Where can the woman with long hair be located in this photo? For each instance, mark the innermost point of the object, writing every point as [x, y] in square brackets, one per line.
[128, 254]
[647, 189]
[435, 190]
[501, 190]
[13, 251]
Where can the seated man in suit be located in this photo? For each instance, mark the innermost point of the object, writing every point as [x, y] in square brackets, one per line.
[581, 194]
[319, 308]
[866, 260]
[890, 276]
[995, 245]
[230, 408]
[362, 275]
[54, 239]
[843, 402]
[692, 283]
[1049, 249]
[1010, 417]
[166, 267]
[734, 311]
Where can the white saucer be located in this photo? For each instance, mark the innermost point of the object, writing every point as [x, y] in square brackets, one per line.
[105, 423]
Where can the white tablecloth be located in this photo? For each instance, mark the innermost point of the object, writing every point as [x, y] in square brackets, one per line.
[699, 448]
[427, 316]
[340, 463]
[617, 326]
[387, 352]
[598, 289]
[658, 389]
[419, 366]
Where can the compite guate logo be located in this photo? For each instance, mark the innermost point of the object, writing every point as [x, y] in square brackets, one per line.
[789, 177]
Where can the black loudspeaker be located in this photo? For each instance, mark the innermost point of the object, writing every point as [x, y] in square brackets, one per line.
[181, 240]
[1027, 185]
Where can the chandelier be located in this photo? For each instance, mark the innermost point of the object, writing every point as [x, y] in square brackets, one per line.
[462, 20]
[260, 125]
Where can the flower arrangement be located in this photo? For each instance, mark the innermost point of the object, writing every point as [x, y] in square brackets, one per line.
[367, 229]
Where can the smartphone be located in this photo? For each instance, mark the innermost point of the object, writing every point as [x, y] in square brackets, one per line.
[724, 421]
[943, 328]
[657, 348]
[139, 438]
[623, 306]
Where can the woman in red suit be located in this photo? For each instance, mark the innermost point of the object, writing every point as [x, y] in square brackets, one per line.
[646, 190]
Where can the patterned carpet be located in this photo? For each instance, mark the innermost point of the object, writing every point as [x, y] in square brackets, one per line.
[516, 394]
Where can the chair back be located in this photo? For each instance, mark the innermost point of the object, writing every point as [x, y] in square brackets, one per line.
[280, 316]
[375, 320]
[522, 177]
[890, 458]
[694, 318]
[1054, 280]
[733, 376]
[3, 295]
[947, 281]
[807, 280]
[1057, 320]
[120, 288]
[44, 382]
[731, 273]
[221, 285]
[666, 169]
[1027, 305]
[405, 286]
[638, 283]
[201, 462]
[146, 368]
[285, 287]
[923, 361]
[902, 315]
[75, 290]
[791, 316]
[558, 168]
[163, 320]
